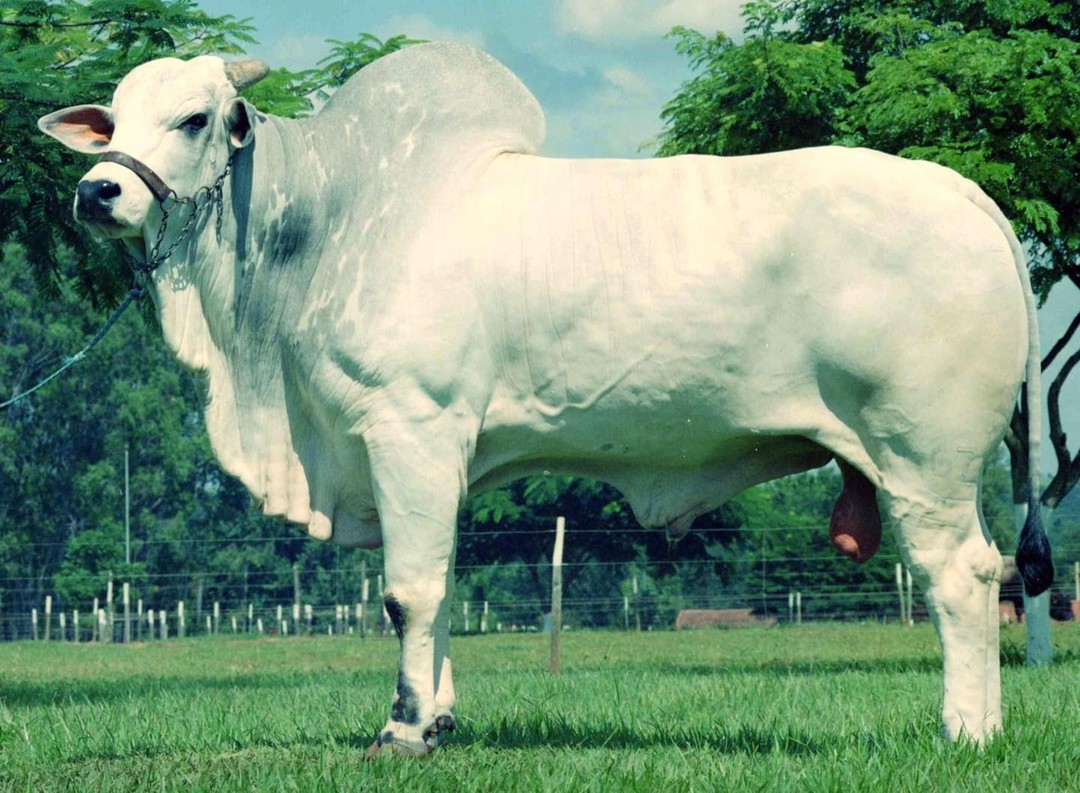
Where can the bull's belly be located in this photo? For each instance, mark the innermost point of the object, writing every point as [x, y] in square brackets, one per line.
[671, 465]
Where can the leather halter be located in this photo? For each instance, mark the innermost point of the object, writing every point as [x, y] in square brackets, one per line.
[154, 182]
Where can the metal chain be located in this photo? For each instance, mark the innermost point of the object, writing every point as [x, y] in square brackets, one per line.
[200, 200]
[214, 195]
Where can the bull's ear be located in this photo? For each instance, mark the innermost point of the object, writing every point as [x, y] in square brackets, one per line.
[239, 118]
[84, 128]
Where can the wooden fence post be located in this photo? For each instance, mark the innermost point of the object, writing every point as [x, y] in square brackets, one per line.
[296, 596]
[384, 617]
[910, 599]
[556, 594]
[900, 591]
[48, 617]
[109, 611]
[361, 616]
[75, 625]
[127, 613]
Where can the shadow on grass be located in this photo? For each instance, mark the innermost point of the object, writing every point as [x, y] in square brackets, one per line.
[60, 692]
[18, 694]
[550, 732]
[780, 668]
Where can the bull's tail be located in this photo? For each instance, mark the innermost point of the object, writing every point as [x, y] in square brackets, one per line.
[1033, 556]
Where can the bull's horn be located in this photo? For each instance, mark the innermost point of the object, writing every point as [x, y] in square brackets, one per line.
[244, 74]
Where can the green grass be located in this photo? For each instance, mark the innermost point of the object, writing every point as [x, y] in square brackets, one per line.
[824, 707]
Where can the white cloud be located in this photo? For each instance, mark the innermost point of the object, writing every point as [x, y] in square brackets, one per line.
[600, 20]
[627, 81]
[613, 119]
[418, 26]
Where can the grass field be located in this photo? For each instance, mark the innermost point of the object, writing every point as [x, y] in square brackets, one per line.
[823, 707]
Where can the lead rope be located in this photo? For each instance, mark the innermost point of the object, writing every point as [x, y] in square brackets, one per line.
[204, 197]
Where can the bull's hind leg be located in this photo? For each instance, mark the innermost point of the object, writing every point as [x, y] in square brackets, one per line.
[959, 568]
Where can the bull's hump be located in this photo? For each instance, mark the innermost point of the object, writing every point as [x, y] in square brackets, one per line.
[446, 96]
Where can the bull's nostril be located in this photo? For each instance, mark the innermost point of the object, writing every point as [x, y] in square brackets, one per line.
[94, 198]
[109, 190]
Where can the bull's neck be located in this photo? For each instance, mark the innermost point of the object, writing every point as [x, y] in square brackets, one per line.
[237, 278]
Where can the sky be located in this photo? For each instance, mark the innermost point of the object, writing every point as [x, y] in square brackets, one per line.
[601, 69]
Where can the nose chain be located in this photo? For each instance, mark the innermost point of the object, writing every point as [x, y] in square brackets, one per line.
[199, 201]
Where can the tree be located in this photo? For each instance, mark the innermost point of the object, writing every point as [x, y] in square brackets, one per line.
[989, 89]
[768, 94]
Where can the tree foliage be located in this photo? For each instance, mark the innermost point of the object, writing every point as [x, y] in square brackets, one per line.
[769, 94]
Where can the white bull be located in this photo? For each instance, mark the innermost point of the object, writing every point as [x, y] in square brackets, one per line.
[399, 302]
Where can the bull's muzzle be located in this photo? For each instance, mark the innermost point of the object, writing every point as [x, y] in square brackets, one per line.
[94, 200]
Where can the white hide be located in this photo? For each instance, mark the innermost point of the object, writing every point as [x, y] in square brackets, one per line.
[408, 303]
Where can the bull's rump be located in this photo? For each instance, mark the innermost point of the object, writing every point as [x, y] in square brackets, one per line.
[673, 313]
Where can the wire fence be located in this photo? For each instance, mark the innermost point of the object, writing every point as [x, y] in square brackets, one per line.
[626, 594]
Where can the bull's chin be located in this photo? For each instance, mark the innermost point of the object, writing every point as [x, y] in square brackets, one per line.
[108, 229]
[130, 236]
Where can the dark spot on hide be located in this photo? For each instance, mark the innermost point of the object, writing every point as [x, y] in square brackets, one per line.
[398, 616]
[406, 707]
[287, 236]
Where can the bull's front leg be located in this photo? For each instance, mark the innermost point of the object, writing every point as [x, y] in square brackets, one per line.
[418, 513]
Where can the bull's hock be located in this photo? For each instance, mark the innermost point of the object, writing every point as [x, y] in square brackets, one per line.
[398, 301]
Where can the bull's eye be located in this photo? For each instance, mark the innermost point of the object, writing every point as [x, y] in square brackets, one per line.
[194, 124]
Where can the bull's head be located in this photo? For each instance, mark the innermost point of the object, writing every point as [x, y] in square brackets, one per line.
[181, 119]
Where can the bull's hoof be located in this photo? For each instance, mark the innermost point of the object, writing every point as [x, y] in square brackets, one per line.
[433, 737]
[387, 744]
